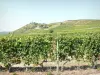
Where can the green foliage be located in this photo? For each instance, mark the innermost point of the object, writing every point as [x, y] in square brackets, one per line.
[51, 31]
[29, 49]
[35, 48]
[49, 73]
[84, 46]
[98, 68]
[15, 74]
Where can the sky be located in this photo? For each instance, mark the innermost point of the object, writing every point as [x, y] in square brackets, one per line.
[17, 13]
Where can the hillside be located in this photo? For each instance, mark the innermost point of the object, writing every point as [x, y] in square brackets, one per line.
[65, 26]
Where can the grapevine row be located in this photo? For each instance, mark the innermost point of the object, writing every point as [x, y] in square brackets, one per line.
[32, 49]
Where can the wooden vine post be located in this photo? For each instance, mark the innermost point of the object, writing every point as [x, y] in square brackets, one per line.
[57, 49]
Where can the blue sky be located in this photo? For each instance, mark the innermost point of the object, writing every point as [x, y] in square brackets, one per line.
[17, 13]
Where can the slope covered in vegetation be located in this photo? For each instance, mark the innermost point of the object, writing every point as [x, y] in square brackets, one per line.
[65, 26]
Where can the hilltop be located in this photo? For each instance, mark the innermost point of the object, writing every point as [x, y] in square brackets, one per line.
[65, 26]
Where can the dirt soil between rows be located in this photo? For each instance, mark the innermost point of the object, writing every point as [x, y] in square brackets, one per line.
[68, 72]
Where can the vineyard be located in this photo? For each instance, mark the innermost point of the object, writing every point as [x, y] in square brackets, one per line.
[37, 49]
